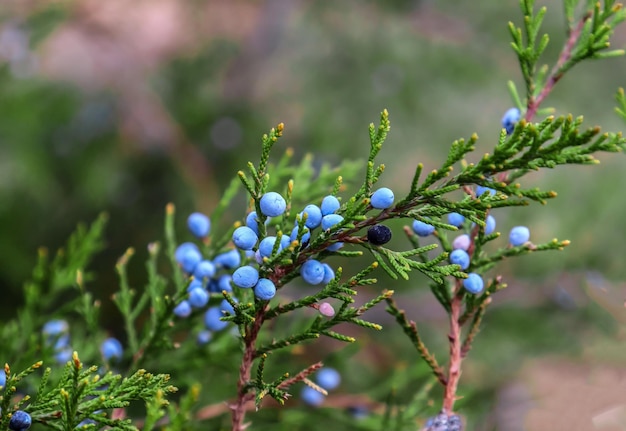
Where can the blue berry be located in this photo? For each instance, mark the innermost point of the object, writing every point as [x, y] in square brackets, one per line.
[481, 190]
[272, 204]
[519, 235]
[311, 397]
[55, 327]
[245, 238]
[204, 337]
[252, 221]
[3, 378]
[20, 421]
[456, 219]
[245, 277]
[198, 297]
[454, 423]
[182, 249]
[490, 224]
[212, 319]
[328, 378]
[312, 272]
[330, 220]
[62, 342]
[183, 309]
[199, 225]
[461, 242]
[111, 348]
[265, 289]
[306, 236]
[190, 259]
[330, 204]
[204, 269]
[334, 247]
[382, 198]
[509, 119]
[329, 274]
[443, 422]
[222, 283]
[379, 234]
[56, 334]
[85, 422]
[266, 246]
[422, 229]
[461, 258]
[473, 283]
[230, 259]
[438, 423]
[64, 355]
[314, 216]
[195, 282]
[285, 242]
[225, 306]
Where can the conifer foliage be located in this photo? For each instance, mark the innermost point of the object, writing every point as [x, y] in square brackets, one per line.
[215, 302]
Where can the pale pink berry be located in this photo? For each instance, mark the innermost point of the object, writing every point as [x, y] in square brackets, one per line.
[326, 309]
[461, 242]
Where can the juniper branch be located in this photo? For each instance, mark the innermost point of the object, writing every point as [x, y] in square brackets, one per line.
[410, 329]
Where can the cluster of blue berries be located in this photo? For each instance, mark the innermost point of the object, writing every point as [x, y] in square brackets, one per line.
[56, 334]
[443, 422]
[460, 254]
[204, 276]
[242, 266]
[314, 272]
[20, 421]
[324, 216]
[326, 378]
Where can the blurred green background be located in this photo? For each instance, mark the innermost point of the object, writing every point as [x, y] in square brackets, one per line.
[110, 107]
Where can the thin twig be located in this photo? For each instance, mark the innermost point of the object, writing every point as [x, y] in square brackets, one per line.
[300, 376]
[558, 70]
[410, 328]
[475, 328]
[555, 76]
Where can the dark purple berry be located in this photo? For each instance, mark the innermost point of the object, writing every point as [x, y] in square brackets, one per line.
[20, 421]
[379, 234]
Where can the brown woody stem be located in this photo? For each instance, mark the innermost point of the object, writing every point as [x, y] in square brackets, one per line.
[454, 337]
[243, 391]
[558, 70]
